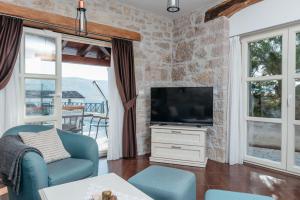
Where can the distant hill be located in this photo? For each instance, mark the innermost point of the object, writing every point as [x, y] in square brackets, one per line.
[86, 88]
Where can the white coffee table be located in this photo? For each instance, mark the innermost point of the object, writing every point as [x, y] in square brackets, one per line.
[78, 190]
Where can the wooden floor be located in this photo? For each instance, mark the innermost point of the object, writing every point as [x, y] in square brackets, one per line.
[239, 178]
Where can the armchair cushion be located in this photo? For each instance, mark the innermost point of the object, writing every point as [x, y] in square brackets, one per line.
[68, 170]
[48, 143]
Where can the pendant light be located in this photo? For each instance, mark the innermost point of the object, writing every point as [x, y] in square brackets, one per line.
[173, 6]
[81, 21]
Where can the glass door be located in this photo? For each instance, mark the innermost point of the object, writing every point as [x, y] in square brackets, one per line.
[41, 77]
[294, 101]
[265, 83]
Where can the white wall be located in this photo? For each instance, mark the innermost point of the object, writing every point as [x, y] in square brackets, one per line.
[264, 14]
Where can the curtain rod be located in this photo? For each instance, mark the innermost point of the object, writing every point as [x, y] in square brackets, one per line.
[66, 28]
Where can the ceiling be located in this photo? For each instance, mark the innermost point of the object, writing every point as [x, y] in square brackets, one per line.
[160, 6]
[79, 53]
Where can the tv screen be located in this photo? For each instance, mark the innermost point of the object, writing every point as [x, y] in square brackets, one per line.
[184, 105]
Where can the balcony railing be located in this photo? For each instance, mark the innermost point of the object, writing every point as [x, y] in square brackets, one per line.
[89, 107]
[47, 108]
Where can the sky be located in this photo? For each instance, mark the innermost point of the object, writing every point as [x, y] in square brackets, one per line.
[84, 71]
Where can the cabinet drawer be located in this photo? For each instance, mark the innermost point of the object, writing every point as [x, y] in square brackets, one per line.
[179, 137]
[178, 152]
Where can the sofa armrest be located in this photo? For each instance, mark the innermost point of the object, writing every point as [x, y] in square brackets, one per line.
[80, 146]
[34, 176]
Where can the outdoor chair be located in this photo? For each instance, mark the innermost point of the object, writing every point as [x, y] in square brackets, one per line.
[73, 118]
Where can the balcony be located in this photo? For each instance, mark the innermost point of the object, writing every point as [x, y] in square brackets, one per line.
[90, 119]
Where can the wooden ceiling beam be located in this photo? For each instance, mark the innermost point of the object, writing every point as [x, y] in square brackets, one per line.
[103, 53]
[61, 30]
[104, 50]
[228, 8]
[84, 50]
[100, 54]
[40, 19]
[85, 60]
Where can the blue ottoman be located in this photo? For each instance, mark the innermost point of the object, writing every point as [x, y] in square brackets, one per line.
[164, 183]
[227, 195]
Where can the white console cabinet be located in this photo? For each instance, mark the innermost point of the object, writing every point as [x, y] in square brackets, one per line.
[182, 145]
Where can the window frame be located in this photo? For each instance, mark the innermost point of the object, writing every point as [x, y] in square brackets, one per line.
[56, 77]
[291, 166]
[245, 98]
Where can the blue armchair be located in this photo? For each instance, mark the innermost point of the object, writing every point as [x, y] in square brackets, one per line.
[36, 174]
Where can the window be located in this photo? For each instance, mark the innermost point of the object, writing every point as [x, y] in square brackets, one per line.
[40, 54]
[265, 57]
[271, 133]
[65, 83]
[40, 76]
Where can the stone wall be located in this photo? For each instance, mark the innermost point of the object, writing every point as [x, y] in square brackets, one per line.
[181, 52]
[200, 58]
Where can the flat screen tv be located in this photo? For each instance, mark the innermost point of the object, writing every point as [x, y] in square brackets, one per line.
[182, 105]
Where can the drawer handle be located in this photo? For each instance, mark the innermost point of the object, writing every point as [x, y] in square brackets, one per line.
[176, 132]
[175, 147]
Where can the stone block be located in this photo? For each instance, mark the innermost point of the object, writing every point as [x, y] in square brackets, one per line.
[178, 73]
[184, 51]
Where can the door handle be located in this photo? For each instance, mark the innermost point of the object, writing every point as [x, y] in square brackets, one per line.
[290, 100]
[175, 147]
